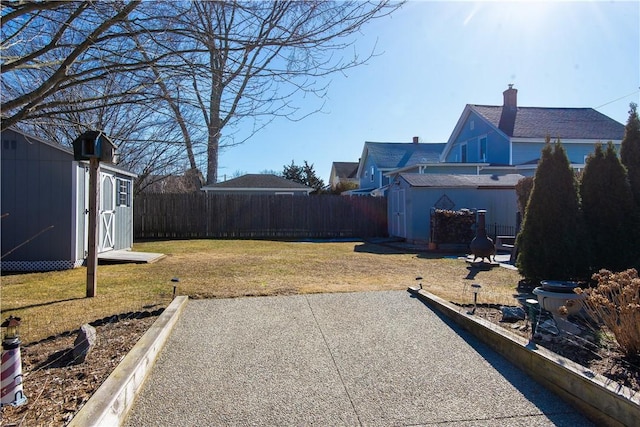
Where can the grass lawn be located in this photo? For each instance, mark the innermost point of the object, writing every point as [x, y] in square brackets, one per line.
[54, 302]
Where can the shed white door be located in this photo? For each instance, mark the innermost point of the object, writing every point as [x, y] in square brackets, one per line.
[107, 212]
[398, 221]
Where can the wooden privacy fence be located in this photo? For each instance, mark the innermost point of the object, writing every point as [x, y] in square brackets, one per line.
[200, 215]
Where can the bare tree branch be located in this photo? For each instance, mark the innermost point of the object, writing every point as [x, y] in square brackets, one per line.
[23, 104]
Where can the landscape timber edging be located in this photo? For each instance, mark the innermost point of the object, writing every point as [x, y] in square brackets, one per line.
[109, 405]
[602, 400]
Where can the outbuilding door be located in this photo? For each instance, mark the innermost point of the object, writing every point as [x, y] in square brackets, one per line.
[398, 220]
[107, 212]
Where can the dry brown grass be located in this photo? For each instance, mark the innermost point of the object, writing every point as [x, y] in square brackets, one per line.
[50, 303]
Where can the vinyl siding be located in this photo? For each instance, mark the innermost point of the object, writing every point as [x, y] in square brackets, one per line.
[497, 143]
[36, 194]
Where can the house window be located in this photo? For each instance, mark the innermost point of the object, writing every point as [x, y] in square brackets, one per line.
[483, 149]
[472, 125]
[124, 192]
[463, 153]
[372, 173]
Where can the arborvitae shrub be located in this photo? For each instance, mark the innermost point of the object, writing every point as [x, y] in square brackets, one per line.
[630, 152]
[551, 243]
[608, 210]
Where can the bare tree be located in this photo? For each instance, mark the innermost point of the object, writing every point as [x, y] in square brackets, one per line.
[183, 76]
[249, 60]
[69, 67]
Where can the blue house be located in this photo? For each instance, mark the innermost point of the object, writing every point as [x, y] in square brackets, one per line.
[490, 148]
[510, 138]
[380, 158]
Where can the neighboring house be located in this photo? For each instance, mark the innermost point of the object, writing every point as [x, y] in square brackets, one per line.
[510, 137]
[489, 149]
[264, 184]
[44, 203]
[379, 158]
[345, 173]
[412, 196]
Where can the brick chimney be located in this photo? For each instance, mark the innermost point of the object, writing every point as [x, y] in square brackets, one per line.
[415, 139]
[509, 111]
[510, 98]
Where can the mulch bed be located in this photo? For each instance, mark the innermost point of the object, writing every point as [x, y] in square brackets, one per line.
[592, 348]
[56, 386]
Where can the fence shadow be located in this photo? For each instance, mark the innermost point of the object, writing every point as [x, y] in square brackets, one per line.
[397, 248]
[8, 310]
[378, 249]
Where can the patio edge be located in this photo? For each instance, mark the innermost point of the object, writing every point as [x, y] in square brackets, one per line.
[600, 399]
[109, 405]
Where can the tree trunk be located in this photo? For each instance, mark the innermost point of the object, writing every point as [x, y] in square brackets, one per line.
[213, 145]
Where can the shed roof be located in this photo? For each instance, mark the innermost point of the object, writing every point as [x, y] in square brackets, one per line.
[393, 155]
[563, 123]
[69, 151]
[258, 181]
[461, 181]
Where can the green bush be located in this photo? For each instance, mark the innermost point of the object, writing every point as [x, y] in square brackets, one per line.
[608, 211]
[551, 243]
[630, 151]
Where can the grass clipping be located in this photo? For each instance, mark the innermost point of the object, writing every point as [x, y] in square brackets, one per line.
[615, 301]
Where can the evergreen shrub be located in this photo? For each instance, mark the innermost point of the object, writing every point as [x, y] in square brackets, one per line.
[608, 210]
[551, 244]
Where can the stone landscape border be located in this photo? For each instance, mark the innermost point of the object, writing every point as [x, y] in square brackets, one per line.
[110, 403]
[602, 400]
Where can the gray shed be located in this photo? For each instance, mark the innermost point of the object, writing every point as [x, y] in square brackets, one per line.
[412, 196]
[44, 205]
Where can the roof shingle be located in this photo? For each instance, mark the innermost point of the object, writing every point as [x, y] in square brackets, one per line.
[563, 123]
[393, 155]
[461, 181]
[346, 169]
[265, 181]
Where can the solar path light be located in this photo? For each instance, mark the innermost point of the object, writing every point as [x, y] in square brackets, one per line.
[475, 288]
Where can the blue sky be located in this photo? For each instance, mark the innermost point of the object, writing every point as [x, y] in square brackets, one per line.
[438, 56]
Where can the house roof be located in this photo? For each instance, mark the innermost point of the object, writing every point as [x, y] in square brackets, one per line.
[461, 181]
[563, 123]
[393, 155]
[345, 169]
[260, 182]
